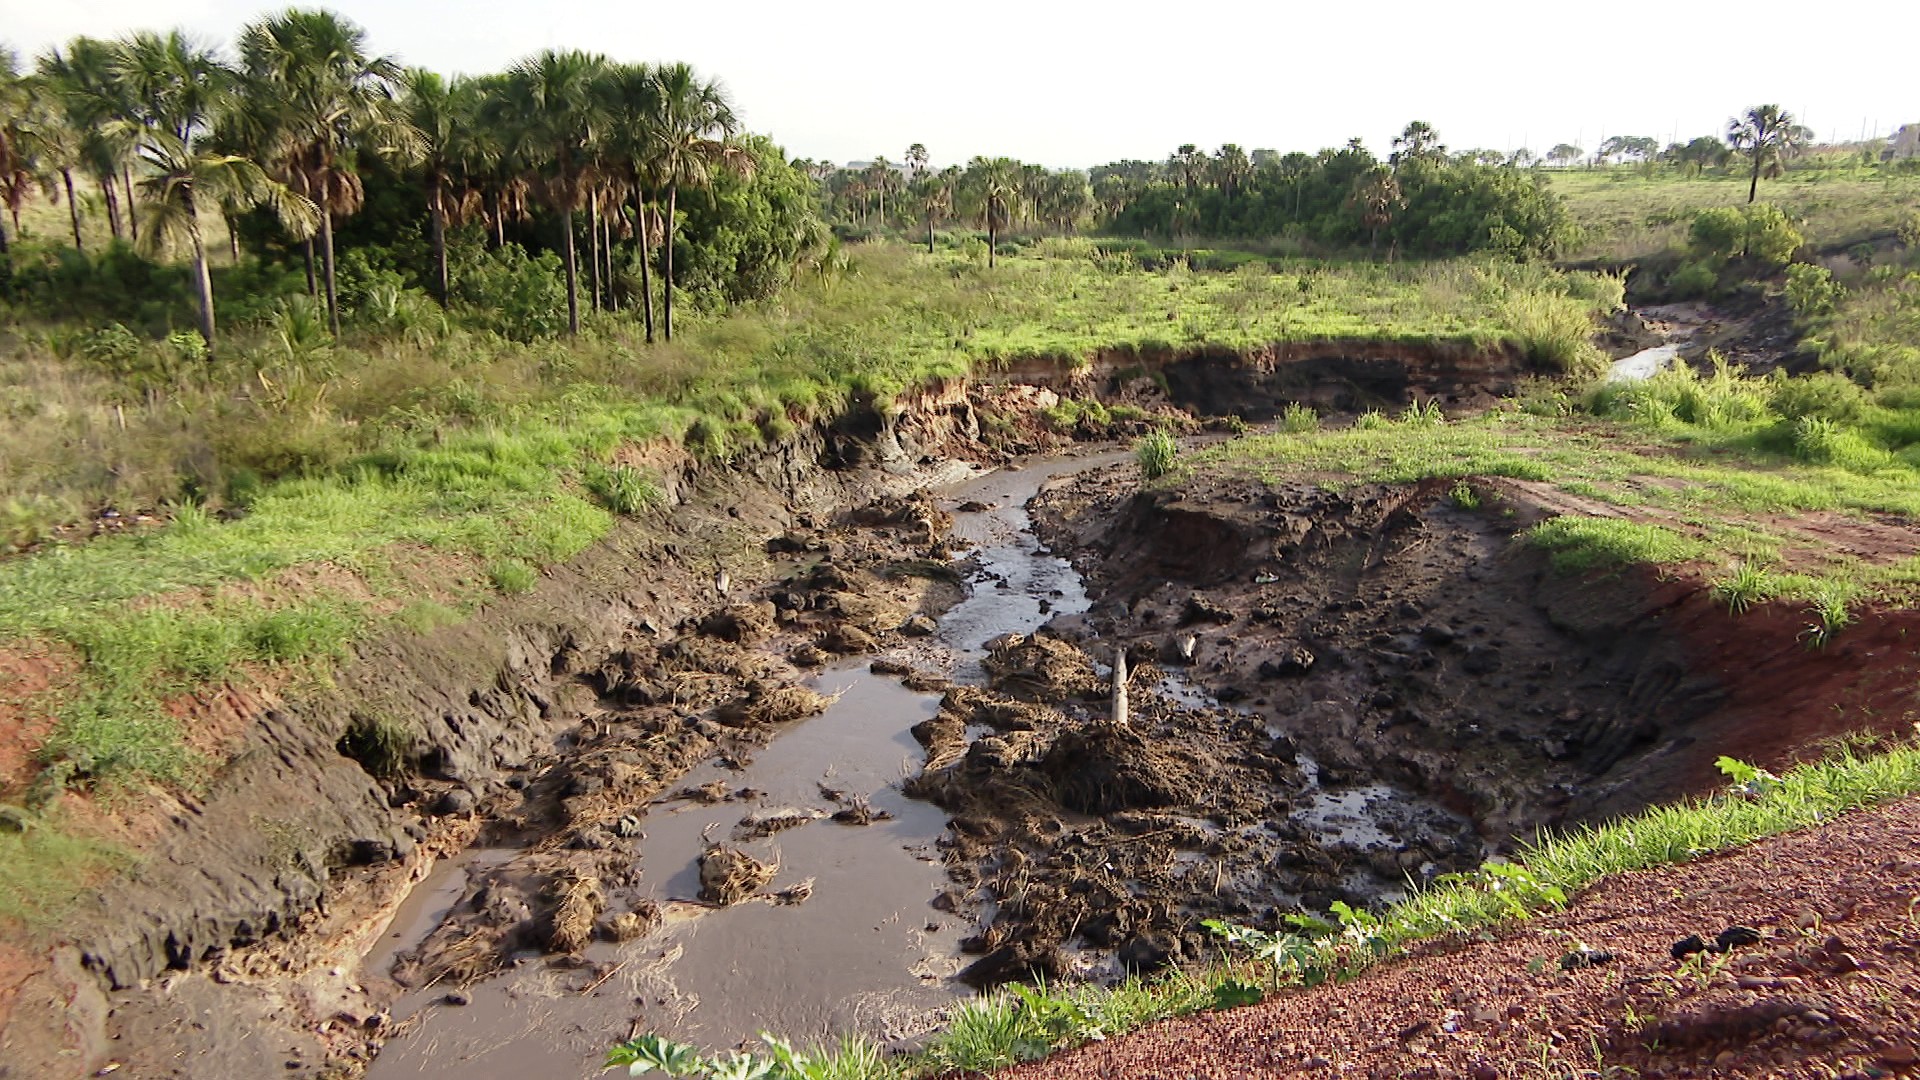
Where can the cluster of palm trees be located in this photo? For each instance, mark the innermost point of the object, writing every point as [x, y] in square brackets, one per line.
[995, 194]
[169, 131]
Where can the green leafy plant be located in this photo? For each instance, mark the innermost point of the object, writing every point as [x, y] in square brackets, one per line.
[1748, 780]
[1748, 585]
[1299, 419]
[1464, 496]
[652, 1053]
[1156, 453]
[622, 489]
[1419, 414]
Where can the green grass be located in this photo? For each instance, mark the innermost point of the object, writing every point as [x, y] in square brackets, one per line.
[43, 868]
[1626, 215]
[1021, 1023]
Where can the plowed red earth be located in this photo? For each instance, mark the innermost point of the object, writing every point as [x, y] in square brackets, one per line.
[1831, 989]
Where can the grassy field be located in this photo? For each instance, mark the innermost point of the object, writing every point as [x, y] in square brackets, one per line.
[1627, 215]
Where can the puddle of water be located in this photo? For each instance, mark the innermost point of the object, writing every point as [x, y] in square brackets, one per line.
[429, 902]
[1643, 364]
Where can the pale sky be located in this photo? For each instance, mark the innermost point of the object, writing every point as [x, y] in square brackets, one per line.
[1084, 83]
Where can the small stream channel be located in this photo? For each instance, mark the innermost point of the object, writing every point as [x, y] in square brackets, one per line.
[867, 952]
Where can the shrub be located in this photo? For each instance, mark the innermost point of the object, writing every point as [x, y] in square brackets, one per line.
[1156, 453]
[1760, 232]
[1811, 290]
[622, 489]
[1300, 419]
[513, 294]
[1822, 394]
[1371, 420]
[1694, 279]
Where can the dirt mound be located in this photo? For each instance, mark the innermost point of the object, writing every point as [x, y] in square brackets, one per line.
[1105, 769]
[729, 875]
[1041, 668]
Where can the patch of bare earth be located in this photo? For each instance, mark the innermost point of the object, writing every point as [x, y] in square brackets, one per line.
[1828, 987]
[30, 671]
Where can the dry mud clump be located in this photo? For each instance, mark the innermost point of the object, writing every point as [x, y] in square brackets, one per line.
[1101, 847]
[729, 875]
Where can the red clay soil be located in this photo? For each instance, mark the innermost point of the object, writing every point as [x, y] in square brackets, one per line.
[1830, 988]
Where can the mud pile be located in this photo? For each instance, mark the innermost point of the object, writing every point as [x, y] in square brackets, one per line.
[1098, 847]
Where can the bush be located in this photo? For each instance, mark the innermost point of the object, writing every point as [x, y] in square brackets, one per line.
[1760, 232]
[512, 576]
[1156, 453]
[1811, 290]
[1823, 394]
[512, 294]
[1694, 279]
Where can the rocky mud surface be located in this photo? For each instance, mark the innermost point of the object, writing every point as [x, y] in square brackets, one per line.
[1797, 956]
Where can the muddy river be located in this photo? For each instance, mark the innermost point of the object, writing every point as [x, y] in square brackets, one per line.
[867, 950]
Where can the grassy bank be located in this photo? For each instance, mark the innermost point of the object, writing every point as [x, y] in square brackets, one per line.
[1021, 1023]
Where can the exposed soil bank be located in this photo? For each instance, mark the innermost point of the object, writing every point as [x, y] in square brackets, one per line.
[1391, 632]
[1828, 986]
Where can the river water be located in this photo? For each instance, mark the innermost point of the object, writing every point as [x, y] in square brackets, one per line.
[867, 952]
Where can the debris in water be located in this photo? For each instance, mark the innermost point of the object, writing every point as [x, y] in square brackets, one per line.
[729, 875]
[756, 826]
[779, 705]
[580, 904]
[797, 894]
[638, 923]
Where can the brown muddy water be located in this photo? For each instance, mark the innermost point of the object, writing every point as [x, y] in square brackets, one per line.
[866, 952]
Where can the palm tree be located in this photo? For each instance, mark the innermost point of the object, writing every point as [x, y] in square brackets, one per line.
[554, 96]
[435, 109]
[993, 187]
[81, 78]
[320, 92]
[934, 192]
[629, 95]
[692, 126]
[180, 93]
[1376, 193]
[916, 161]
[1766, 133]
[15, 99]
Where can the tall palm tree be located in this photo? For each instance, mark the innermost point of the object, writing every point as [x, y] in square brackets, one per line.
[692, 128]
[436, 110]
[934, 192]
[81, 78]
[993, 190]
[1376, 194]
[629, 95]
[22, 121]
[554, 95]
[314, 83]
[1766, 133]
[180, 93]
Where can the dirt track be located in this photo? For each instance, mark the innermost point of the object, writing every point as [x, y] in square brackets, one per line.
[1830, 989]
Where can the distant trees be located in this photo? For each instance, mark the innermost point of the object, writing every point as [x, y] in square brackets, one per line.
[991, 190]
[1564, 154]
[1417, 141]
[1376, 193]
[1767, 134]
[1628, 148]
[311, 124]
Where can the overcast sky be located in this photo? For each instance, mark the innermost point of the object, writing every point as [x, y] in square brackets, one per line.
[1077, 84]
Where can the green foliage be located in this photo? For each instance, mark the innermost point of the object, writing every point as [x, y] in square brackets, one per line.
[1749, 584]
[1811, 290]
[1299, 419]
[1156, 453]
[521, 297]
[1822, 394]
[1580, 544]
[1464, 496]
[622, 489]
[1760, 232]
[1694, 279]
[512, 576]
[1422, 414]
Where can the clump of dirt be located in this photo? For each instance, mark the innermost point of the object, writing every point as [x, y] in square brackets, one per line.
[1041, 668]
[579, 905]
[764, 705]
[644, 919]
[729, 875]
[1107, 768]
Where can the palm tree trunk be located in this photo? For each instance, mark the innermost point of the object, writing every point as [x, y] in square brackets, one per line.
[73, 208]
[593, 242]
[233, 238]
[646, 257]
[306, 252]
[202, 281]
[991, 244]
[133, 220]
[1753, 189]
[666, 268]
[439, 248]
[606, 252]
[929, 234]
[573, 274]
[326, 265]
[112, 200]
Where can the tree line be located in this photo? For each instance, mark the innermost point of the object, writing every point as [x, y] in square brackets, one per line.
[286, 137]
